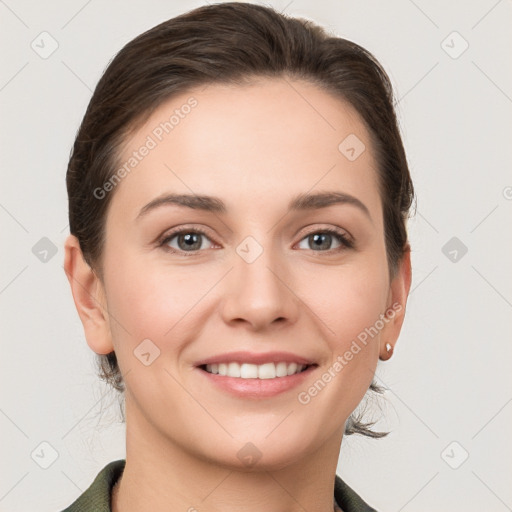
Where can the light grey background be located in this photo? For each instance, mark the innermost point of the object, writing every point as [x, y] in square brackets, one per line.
[450, 377]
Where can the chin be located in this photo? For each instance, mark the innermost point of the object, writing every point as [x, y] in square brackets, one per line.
[260, 454]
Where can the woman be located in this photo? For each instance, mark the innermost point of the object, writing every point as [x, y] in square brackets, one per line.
[238, 197]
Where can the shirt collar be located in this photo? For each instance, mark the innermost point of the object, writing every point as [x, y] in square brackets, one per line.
[97, 498]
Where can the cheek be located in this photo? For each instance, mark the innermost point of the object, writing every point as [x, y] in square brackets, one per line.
[151, 300]
[347, 299]
[348, 303]
[354, 298]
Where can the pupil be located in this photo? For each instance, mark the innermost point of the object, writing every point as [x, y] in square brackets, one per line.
[191, 239]
[319, 239]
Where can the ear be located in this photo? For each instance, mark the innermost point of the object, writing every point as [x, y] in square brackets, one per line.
[89, 296]
[398, 293]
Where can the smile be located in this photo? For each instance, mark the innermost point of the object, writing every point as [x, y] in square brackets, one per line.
[255, 371]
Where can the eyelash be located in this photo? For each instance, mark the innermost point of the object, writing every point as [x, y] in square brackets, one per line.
[346, 243]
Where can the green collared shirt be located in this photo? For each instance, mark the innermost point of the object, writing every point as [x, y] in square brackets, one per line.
[97, 497]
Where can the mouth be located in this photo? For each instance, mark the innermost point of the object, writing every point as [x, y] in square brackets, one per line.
[256, 382]
[255, 371]
[256, 376]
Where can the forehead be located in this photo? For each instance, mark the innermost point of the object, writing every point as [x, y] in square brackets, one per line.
[267, 140]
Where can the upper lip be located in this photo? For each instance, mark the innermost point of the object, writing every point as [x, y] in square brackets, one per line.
[255, 358]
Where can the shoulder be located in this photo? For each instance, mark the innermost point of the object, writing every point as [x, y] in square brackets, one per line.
[348, 499]
[97, 496]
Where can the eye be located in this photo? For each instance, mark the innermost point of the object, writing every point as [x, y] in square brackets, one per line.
[321, 241]
[192, 241]
[186, 240]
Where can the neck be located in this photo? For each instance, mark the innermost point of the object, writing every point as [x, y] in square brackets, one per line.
[160, 475]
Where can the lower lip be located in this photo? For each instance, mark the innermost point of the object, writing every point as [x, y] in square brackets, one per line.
[257, 388]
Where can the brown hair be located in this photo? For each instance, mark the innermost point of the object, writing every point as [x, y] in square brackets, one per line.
[230, 43]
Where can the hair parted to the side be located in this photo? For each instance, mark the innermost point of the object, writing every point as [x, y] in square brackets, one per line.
[230, 43]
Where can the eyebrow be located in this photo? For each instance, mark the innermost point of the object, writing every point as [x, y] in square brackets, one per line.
[212, 204]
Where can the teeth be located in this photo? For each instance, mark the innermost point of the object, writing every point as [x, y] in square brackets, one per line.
[255, 371]
[234, 370]
[281, 370]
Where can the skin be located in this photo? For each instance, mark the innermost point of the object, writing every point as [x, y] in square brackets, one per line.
[256, 147]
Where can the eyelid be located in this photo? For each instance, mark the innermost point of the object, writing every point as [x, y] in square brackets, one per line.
[316, 228]
[346, 239]
[169, 234]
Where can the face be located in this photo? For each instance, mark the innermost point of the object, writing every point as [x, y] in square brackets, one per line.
[272, 261]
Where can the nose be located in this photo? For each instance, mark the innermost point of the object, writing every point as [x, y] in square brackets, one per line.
[259, 293]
